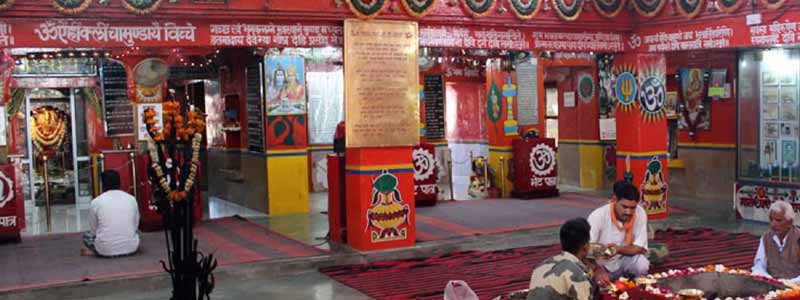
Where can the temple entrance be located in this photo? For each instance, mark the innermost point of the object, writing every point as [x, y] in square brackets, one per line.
[56, 165]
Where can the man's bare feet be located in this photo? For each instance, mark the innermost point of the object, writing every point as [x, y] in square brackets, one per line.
[86, 252]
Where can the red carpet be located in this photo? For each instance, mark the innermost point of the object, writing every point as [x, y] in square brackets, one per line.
[494, 273]
[454, 219]
[55, 259]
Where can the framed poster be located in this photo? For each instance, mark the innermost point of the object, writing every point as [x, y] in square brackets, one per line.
[769, 78]
[716, 88]
[770, 111]
[789, 152]
[772, 130]
[770, 94]
[286, 85]
[770, 152]
[140, 108]
[671, 106]
[788, 78]
[569, 99]
[787, 130]
[789, 114]
[608, 129]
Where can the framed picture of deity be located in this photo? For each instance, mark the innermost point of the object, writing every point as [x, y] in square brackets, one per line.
[788, 98]
[787, 130]
[789, 114]
[771, 130]
[789, 152]
[770, 152]
[769, 78]
[770, 111]
[789, 78]
[770, 94]
[671, 106]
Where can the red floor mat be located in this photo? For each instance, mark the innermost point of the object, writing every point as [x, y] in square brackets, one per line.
[494, 273]
[55, 259]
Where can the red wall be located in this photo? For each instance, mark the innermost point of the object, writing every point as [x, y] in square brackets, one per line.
[723, 112]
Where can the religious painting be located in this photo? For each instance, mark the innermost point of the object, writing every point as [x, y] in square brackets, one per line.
[788, 78]
[769, 78]
[605, 89]
[654, 187]
[388, 214]
[286, 132]
[716, 88]
[787, 130]
[789, 114]
[788, 98]
[286, 85]
[695, 107]
[772, 131]
[789, 153]
[770, 95]
[585, 87]
[770, 152]
[671, 106]
[770, 111]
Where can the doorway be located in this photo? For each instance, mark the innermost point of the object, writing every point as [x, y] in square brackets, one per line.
[56, 166]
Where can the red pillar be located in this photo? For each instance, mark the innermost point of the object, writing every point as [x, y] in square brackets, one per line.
[380, 198]
[640, 91]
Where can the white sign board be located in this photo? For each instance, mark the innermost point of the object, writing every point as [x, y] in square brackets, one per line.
[608, 129]
[3, 132]
[569, 99]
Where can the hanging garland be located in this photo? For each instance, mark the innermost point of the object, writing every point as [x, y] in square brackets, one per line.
[6, 4]
[174, 130]
[141, 7]
[649, 8]
[568, 12]
[729, 6]
[478, 8]
[689, 8]
[609, 8]
[773, 4]
[418, 8]
[366, 9]
[525, 11]
[71, 6]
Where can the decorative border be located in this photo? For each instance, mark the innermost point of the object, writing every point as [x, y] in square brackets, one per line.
[773, 4]
[609, 8]
[70, 10]
[526, 11]
[568, 12]
[478, 8]
[649, 8]
[686, 9]
[729, 6]
[417, 10]
[6, 4]
[142, 10]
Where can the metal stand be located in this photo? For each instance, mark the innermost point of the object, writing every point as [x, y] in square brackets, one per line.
[134, 181]
[502, 177]
[450, 172]
[47, 194]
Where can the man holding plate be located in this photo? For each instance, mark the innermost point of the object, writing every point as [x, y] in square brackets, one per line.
[622, 227]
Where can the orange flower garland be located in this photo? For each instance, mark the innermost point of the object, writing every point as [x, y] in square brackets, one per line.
[174, 124]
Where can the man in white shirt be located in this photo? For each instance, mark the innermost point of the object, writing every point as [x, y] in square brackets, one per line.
[622, 225]
[113, 221]
[778, 252]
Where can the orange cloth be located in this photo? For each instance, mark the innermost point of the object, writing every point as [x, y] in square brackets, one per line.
[627, 227]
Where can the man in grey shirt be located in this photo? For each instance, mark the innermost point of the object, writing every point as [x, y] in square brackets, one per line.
[113, 221]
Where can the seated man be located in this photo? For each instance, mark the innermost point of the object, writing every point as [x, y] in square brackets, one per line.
[778, 252]
[621, 224]
[565, 276]
[113, 221]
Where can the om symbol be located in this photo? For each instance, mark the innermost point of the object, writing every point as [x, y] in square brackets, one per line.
[651, 95]
[542, 160]
[424, 164]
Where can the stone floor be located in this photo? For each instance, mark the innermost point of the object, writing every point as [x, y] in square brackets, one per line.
[298, 279]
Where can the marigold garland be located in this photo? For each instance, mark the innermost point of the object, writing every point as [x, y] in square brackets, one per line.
[174, 128]
[49, 127]
[568, 12]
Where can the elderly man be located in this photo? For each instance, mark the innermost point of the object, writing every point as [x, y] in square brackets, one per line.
[622, 225]
[565, 276]
[778, 252]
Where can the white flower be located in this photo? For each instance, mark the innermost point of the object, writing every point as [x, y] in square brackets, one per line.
[624, 296]
[719, 268]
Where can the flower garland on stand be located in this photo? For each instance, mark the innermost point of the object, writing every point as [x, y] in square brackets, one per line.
[174, 153]
[49, 128]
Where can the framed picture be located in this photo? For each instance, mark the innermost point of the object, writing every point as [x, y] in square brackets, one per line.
[787, 130]
[788, 78]
[672, 104]
[771, 130]
[789, 114]
[770, 95]
[286, 85]
[788, 98]
[770, 152]
[789, 152]
[768, 78]
[770, 111]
